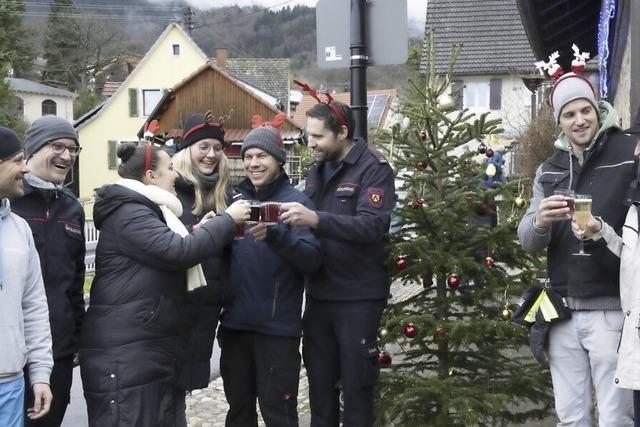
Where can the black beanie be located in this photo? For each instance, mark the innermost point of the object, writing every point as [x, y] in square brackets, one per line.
[9, 143]
[197, 128]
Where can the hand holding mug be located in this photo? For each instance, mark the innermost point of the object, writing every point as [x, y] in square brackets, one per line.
[259, 231]
[297, 214]
[552, 209]
[239, 211]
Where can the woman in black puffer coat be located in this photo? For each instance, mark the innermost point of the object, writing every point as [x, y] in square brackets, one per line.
[135, 330]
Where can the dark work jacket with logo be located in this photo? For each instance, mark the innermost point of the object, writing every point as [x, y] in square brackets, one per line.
[354, 205]
[56, 219]
[266, 278]
[606, 174]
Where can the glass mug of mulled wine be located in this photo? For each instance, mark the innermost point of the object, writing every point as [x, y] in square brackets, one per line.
[254, 218]
[569, 197]
[269, 212]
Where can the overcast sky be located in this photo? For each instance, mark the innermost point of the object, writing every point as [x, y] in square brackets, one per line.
[417, 8]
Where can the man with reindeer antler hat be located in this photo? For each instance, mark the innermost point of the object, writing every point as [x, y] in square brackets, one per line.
[593, 164]
[352, 187]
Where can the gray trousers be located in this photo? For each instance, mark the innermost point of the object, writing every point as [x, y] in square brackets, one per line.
[583, 356]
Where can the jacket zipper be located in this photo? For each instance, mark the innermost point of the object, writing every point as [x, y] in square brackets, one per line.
[275, 299]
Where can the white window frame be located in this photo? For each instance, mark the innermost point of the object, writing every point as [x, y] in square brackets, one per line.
[173, 49]
[146, 111]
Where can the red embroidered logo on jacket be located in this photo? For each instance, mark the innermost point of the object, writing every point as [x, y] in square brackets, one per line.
[376, 197]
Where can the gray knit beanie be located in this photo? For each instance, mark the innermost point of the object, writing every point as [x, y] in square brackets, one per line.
[568, 88]
[46, 129]
[266, 138]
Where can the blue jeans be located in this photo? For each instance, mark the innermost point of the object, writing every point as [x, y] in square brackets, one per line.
[12, 403]
[583, 355]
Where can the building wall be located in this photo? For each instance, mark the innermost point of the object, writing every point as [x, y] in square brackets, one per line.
[516, 103]
[33, 106]
[622, 102]
[159, 70]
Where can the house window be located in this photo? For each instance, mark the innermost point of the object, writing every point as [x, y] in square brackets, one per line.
[476, 94]
[176, 49]
[150, 98]
[49, 106]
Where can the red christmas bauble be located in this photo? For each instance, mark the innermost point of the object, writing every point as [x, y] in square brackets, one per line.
[410, 330]
[423, 135]
[384, 358]
[421, 165]
[489, 152]
[489, 261]
[453, 281]
[401, 263]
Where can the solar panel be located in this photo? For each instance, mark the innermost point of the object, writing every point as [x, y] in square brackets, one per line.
[376, 104]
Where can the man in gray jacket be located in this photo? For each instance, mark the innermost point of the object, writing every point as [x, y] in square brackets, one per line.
[595, 159]
[25, 337]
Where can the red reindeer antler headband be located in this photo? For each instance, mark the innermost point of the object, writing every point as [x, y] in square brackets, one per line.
[329, 102]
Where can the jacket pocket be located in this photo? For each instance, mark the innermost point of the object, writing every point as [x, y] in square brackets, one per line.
[552, 181]
[164, 318]
[370, 366]
[14, 353]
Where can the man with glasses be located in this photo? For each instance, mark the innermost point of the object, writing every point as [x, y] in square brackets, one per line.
[56, 219]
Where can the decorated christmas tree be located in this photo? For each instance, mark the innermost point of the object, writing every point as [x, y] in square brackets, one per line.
[450, 355]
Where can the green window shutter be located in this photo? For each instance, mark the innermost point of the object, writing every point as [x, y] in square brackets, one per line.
[133, 102]
[113, 163]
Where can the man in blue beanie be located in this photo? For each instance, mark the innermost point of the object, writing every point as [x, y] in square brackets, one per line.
[25, 337]
[56, 219]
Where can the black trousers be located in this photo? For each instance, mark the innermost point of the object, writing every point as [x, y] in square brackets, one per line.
[60, 382]
[340, 348]
[259, 366]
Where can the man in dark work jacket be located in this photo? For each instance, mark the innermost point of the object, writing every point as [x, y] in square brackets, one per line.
[352, 187]
[594, 158]
[56, 219]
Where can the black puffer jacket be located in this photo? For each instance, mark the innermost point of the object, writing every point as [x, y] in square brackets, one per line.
[57, 222]
[135, 329]
[202, 306]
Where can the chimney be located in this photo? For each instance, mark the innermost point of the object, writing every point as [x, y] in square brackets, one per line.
[221, 57]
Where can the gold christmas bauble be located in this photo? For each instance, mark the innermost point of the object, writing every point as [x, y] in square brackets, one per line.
[520, 202]
[382, 332]
[446, 102]
[506, 314]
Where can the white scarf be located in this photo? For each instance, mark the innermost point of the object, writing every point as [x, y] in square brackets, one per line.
[171, 210]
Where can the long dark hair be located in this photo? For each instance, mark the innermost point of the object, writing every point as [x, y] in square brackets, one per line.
[133, 158]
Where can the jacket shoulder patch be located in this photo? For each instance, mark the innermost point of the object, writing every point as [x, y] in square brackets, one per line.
[375, 197]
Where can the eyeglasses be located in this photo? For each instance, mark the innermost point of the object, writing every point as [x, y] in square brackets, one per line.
[59, 147]
[205, 148]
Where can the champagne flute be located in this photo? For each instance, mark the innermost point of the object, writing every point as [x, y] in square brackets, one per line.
[581, 216]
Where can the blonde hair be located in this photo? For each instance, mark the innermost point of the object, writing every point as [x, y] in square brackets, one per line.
[215, 200]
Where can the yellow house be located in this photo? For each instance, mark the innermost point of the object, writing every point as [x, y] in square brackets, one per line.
[172, 57]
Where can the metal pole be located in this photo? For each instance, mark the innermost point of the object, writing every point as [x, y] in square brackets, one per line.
[359, 67]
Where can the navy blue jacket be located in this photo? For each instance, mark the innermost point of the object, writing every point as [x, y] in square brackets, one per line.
[56, 219]
[354, 205]
[266, 278]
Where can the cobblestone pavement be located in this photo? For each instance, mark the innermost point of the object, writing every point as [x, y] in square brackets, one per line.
[208, 407]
